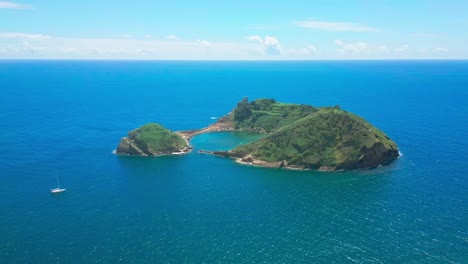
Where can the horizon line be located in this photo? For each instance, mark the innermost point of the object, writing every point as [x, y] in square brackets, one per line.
[233, 60]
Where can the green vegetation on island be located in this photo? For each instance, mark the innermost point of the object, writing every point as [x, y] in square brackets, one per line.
[267, 115]
[297, 137]
[306, 137]
[327, 139]
[152, 140]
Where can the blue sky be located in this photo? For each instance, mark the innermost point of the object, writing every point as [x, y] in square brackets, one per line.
[239, 30]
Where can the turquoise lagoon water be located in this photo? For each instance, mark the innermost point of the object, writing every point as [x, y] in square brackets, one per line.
[64, 118]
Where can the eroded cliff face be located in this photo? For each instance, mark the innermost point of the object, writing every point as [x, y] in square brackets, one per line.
[128, 147]
[378, 154]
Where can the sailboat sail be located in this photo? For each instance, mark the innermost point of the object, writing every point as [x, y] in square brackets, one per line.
[58, 189]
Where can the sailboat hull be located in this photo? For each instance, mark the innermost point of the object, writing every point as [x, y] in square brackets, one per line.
[57, 190]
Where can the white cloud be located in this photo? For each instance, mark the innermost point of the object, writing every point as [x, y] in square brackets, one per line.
[172, 37]
[334, 26]
[346, 48]
[11, 5]
[303, 52]
[269, 45]
[372, 50]
[31, 46]
[441, 50]
[272, 45]
[16, 35]
[255, 38]
[14, 45]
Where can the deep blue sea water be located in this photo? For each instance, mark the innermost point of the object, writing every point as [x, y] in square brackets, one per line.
[64, 118]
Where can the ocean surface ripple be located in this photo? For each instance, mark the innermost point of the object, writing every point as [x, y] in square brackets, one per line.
[64, 118]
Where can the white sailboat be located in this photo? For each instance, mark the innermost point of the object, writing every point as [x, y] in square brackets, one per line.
[58, 189]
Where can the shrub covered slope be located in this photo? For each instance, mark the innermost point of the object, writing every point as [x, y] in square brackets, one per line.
[267, 115]
[309, 137]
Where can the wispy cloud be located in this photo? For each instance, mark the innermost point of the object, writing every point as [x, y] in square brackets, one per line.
[357, 47]
[372, 50]
[424, 35]
[15, 45]
[335, 26]
[16, 35]
[205, 43]
[270, 45]
[172, 37]
[30, 46]
[255, 38]
[12, 5]
[384, 49]
[303, 52]
[263, 27]
[441, 50]
[401, 49]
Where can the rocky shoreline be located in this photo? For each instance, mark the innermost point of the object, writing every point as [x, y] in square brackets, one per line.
[128, 148]
[250, 161]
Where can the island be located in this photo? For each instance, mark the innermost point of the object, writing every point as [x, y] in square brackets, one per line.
[153, 140]
[297, 136]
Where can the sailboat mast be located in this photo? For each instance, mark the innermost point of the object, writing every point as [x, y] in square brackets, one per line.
[58, 184]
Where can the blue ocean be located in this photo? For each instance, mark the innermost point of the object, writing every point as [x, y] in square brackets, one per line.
[64, 119]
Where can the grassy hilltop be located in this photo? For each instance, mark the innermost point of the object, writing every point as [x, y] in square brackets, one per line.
[267, 115]
[151, 140]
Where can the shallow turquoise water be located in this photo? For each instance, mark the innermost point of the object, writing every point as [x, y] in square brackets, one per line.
[65, 118]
